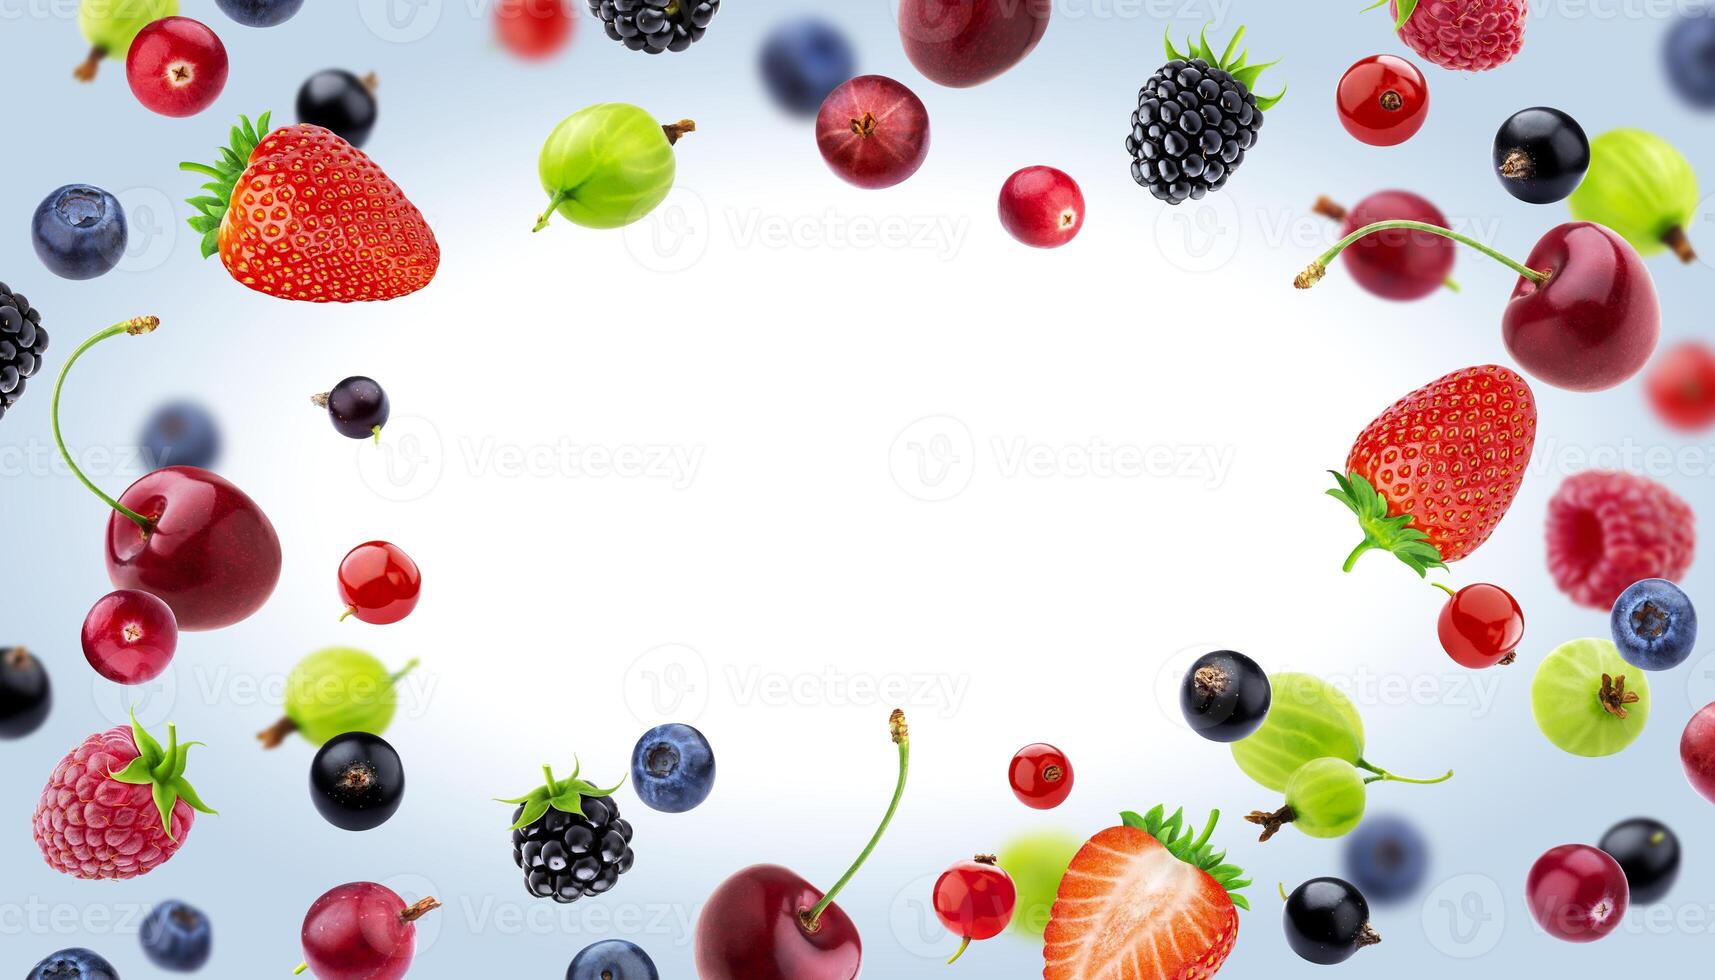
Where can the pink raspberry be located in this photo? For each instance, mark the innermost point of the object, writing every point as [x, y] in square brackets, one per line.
[1463, 35]
[1607, 530]
[98, 819]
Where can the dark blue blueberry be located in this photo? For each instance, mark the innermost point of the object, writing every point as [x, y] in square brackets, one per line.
[803, 60]
[1654, 625]
[180, 434]
[1387, 857]
[1690, 57]
[177, 937]
[612, 959]
[260, 13]
[673, 768]
[73, 964]
[79, 232]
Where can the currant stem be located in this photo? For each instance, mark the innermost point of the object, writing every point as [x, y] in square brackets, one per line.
[135, 326]
[1444, 587]
[1319, 268]
[902, 738]
[966, 944]
[350, 611]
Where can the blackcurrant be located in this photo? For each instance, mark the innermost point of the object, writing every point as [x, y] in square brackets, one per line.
[357, 781]
[1225, 696]
[340, 101]
[357, 406]
[1648, 852]
[1541, 155]
[25, 694]
[1327, 920]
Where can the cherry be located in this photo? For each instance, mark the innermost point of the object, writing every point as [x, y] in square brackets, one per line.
[361, 931]
[1577, 893]
[1041, 776]
[873, 131]
[176, 66]
[183, 534]
[1584, 315]
[1480, 626]
[767, 923]
[961, 43]
[1697, 752]
[129, 636]
[534, 29]
[1681, 386]
[379, 583]
[1042, 207]
[975, 900]
[1398, 264]
[1383, 100]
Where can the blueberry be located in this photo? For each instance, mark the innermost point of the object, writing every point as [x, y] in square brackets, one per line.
[1690, 57]
[260, 13]
[177, 937]
[612, 959]
[673, 768]
[73, 964]
[180, 434]
[1648, 852]
[1387, 857]
[1654, 625]
[803, 60]
[79, 232]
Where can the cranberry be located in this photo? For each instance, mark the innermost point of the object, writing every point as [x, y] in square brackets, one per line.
[1697, 752]
[1042, 207]
[176, 66]
[129, 636]
[1577, 893]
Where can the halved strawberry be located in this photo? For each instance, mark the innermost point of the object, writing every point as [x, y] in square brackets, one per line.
[1148, 900]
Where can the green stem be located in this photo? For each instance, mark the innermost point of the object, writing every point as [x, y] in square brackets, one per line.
[134, 326]
[554, 202]
[1358, 552]
[1383, 775]
[395, 678]
[1444, 587]
[1313, 274]
[901, 737]
[301, 968]
[962, 947]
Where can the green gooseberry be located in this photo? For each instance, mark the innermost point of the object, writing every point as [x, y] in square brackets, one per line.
[608, 165]
[335, 691]
[1307, 719]
[111, 25]
[1642, 188]
[1326, 798]
[1036, 862]
[1588, 700]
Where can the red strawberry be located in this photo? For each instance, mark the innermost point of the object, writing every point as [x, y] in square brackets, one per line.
[301, 214]
[117, 806]
[1145, 901]
[1435, 473]
[1462, 35]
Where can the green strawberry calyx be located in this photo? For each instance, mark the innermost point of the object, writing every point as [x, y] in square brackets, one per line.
[1183, 842]
[564, 795]
[1382, 531]
[234, 158]
[1406, 9]
[1232, 61]
[163, 771]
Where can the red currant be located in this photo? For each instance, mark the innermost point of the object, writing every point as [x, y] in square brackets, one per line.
[534, 29]
[1682, 386]
[129, 637]
[1383, 100]
[379, 583]
[1577, 893]
[1041, 776]
[974, 900]
[1481, 626]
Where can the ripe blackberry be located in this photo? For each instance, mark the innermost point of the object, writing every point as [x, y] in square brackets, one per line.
[656, 25]
[569, 839]
[22, 344]
[1195, 119]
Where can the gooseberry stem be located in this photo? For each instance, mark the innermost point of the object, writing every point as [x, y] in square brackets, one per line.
[811, 920]
[135, 326]
[1382, 775]
[1316, 270]
[554, 203]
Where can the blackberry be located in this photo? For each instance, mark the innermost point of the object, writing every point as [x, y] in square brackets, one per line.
[22, 344]
[1195, 120]
[656, 25]
[569, 839]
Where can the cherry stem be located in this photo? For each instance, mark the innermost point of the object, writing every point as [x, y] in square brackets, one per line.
[1382, 775]
[966, 944]
[901, 737]
[135, 326]
[1314, 273]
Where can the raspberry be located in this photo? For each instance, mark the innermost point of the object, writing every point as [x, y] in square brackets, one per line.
[1464, 35]
[1607, 530]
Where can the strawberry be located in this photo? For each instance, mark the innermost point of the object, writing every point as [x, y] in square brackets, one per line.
[1433, 475]
[1145, 901]
[117, 806]
[301, 214]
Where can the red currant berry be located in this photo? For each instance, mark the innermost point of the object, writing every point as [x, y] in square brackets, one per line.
[379, 583]
[1383, 100]
[176, 66]
[1481, 626]
[129, 636]
[534, 29]
[1577, 893]
[1041, 776]
[974, 900]
[1681, 386]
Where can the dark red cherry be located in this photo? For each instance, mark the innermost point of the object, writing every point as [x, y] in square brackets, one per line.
[1400, 264]
[1594, 322]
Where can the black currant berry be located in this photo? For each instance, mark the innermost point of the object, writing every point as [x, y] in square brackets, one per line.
[1541, 155]
[1225, 696]
[357, 406]
[340, 101]
[1327, 920]
[1648, 852]
[357, 781]
[25, 695]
